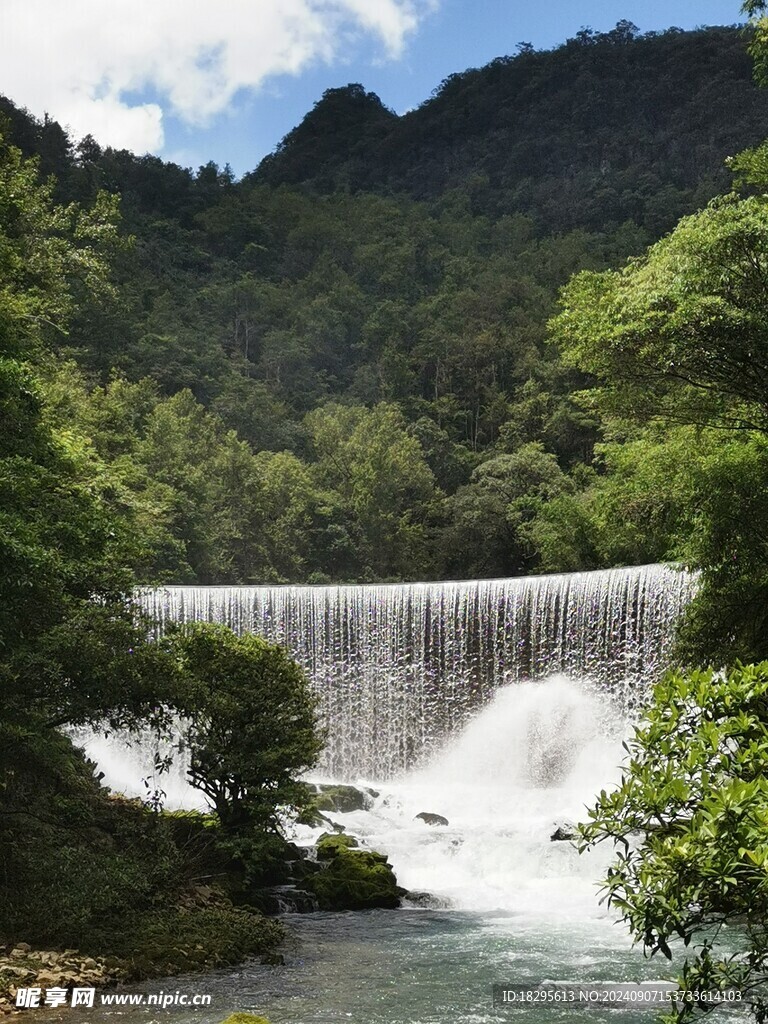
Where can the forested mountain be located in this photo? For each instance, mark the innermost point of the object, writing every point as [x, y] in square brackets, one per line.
[610, 127]
[338, 367]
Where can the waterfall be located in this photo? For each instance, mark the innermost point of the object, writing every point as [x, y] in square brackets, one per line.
[526, 763]
[401, 668]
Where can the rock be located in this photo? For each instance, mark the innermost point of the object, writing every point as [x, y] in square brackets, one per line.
[428, 900]
[47, 979]
[329, 846]
[431, 819]
[354, 879]
[344, 799]
[17, 972]
[24, 947]
[300, 869]
[285, 899]
[564, 832]
[245, 1018]
[316, 819]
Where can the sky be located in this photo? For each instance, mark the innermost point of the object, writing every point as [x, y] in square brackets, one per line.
[225, 80]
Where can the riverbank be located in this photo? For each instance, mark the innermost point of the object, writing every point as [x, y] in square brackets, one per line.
[205, 931]
[203, 927]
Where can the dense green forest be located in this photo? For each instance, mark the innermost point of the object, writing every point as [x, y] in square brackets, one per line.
[345, 377]
[611, 127]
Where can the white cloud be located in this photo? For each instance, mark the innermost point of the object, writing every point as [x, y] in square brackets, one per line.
[85, 61]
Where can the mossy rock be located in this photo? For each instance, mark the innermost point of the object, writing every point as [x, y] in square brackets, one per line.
[245, 1018]
[329, 846]
[354, 879]
[343, 799]
[316, 819]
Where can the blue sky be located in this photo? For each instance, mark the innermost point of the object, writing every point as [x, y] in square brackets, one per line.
[195, 81]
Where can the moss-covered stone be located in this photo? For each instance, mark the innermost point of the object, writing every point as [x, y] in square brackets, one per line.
[245, 1018]
[316, 819]
[354, 879]
[343, 799]
[329, 846]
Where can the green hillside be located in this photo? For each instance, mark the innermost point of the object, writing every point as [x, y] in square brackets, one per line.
[337, 368]
[609, 127]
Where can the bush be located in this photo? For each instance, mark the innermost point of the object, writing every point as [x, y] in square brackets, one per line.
[690, 821]
[179, 940]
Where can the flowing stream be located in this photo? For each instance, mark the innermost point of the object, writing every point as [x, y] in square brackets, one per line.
[500, 705]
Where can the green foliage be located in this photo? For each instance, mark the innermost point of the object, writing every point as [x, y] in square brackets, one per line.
[677, 337]
[49, 255]
[250, 724]
[609, 127]
[77, 867]
[680, 332]
[489, 517]
[179, 941]
[331, 846]
[756, 10]
[690, 817]
[338, 134]
[71, 649]
[728, 620]
[642, 506]
[248, 306]
[385, 487]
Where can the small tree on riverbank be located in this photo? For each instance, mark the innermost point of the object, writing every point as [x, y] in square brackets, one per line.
[690, 820]
[252, 727]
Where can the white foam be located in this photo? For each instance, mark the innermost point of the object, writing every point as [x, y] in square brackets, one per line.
[530, 760]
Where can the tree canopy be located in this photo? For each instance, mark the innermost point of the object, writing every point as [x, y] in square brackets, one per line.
[689, 822]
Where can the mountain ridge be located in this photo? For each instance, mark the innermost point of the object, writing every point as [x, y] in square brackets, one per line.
[585, 120]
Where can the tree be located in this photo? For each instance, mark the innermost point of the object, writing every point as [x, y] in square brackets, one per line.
[251, 724]
[378, 470]
[488, 517]
[756, 11]
[71, 648]
[689, 820]
[681, 332]
[680, 336]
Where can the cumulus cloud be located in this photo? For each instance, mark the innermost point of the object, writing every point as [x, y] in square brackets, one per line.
[91, 63]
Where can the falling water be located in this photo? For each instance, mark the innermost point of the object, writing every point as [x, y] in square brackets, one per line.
[525, 764]
[498, 705]
[400, 668]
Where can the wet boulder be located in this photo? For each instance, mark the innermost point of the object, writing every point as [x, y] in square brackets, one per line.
[286, 899]
[353, 879]
[431, 819]
[343, 799]
[564, 832]
[330, 846]
[427, 900]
